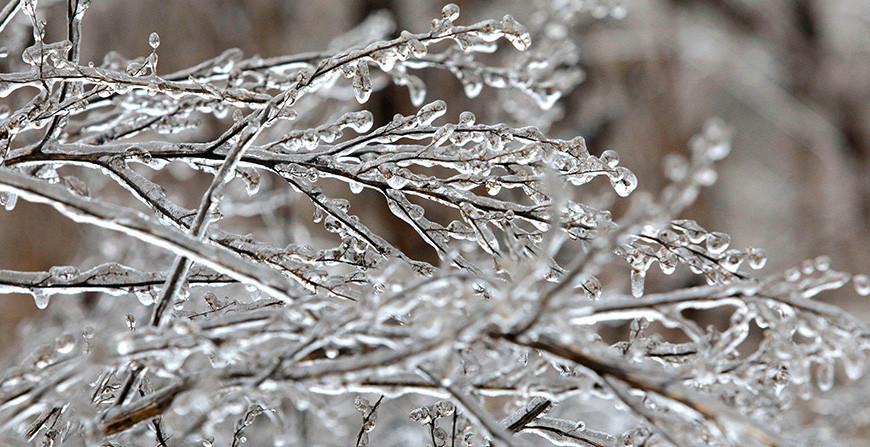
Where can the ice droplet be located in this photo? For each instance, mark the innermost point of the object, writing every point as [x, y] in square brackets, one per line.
[623, 181]
[450, 12]
[154, 40]
[516, 33]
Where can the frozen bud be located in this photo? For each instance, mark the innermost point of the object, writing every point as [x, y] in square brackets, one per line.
[756, 257]
[825, 374]
[440, 436]
[822, 263]
[516, 33]
[593, 287]
[691, 229]
[668, 237]
[623, 181]
[667, 261]
[443, 134]
[717, 242]
[444, 408]
[732, 260]
[63, 272]
[718, 136]
[420, 415]
[64, 344]
[610, 158]
[362, 82]
[705, 176]
[466, 119]
[676, 167]
[370, 422]
[362, 405]
[432, 111]
[450, 12]
[546, 96]
[154, 40]
[361, 121]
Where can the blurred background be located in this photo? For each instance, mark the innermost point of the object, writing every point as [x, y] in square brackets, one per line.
[791, 77]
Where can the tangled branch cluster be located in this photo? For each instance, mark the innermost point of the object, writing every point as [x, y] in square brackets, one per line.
[340, 335]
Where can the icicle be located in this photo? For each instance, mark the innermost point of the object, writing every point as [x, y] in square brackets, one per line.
[8, 200]
[637, 280]
[40, 298]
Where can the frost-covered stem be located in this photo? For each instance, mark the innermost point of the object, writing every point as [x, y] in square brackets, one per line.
[641, 379]
[530, 415]
[8, 12]
[726, 294]
[122, 417]
[74, 33]
[366, 418]
[14, 281]
[211, 199]
[247, 132]
[138, 226]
